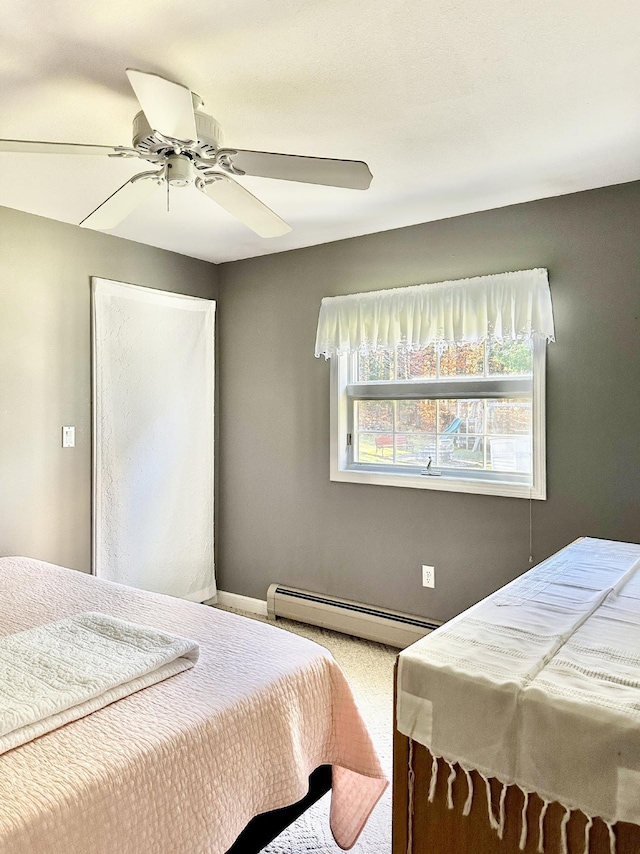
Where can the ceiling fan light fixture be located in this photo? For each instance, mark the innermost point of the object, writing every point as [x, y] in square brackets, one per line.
[179, 170]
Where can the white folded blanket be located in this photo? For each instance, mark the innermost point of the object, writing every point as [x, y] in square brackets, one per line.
[59, 672]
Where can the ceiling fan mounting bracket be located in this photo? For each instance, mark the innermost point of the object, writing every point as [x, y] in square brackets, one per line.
[123, 151]
[206, 178]
[223, 159]
[158, 177]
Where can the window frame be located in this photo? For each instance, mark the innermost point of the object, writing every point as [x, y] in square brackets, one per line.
[343, 469]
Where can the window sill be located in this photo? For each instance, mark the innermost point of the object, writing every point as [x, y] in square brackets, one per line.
[442, 483]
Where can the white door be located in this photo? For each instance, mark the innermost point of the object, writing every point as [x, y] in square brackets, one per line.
[153, 409]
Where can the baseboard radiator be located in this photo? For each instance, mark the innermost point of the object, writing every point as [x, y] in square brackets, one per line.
[351, 618]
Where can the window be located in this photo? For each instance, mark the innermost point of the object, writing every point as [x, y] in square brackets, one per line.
[441, 386]
[468, 418]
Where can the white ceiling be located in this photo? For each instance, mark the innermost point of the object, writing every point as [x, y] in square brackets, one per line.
[457, 106]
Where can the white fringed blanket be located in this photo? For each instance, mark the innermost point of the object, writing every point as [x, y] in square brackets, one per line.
[539, 686]
[59, 672]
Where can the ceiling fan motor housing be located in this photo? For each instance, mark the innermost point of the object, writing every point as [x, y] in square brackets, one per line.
[208, 130]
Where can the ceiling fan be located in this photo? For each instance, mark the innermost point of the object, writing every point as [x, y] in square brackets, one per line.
[175, 135]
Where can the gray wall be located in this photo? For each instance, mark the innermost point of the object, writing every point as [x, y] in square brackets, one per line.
[281, 519]
[45, 372]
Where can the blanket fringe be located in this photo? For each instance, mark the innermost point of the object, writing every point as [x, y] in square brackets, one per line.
[543, 812]
[524, 831]
[492, 819]
[587, 828]
[563, 830]
[411, 786]
[467, 804]
[612, 837]
[503, 795]
[450, 782]
[434, 779]
[498, 823]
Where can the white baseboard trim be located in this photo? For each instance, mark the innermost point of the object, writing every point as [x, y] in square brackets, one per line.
[242, 603]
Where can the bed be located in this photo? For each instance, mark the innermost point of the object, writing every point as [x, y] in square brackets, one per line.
[518, 722]
[184, 766]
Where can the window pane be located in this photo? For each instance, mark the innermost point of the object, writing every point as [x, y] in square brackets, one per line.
[423, 447]
[510, 454]
[416, 416]
[456, 451]
[490, 435]
[465, 360]
[409, 449]
[476, 443]
[405, 449]
[509, 417]
[374, 415]
[375, 367]
[374, 448]
[460, 427]
[510, 357]
[460, 416]
[510, 451]
[416, 364]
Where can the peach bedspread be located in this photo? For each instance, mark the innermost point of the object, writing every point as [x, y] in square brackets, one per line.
[182, 766]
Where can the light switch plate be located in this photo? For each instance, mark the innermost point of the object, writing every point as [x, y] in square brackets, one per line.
[68, 437]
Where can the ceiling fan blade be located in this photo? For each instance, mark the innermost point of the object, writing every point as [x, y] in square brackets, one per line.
[27, 146]
[119, 204]
[354, 174]
[244, 206]
[167, 106]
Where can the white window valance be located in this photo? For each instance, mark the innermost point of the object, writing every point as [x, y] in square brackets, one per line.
[497, 307]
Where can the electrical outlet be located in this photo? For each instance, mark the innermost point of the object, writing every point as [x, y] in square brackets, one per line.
[428, 576]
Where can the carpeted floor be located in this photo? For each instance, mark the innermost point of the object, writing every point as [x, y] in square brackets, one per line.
[369, 669]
